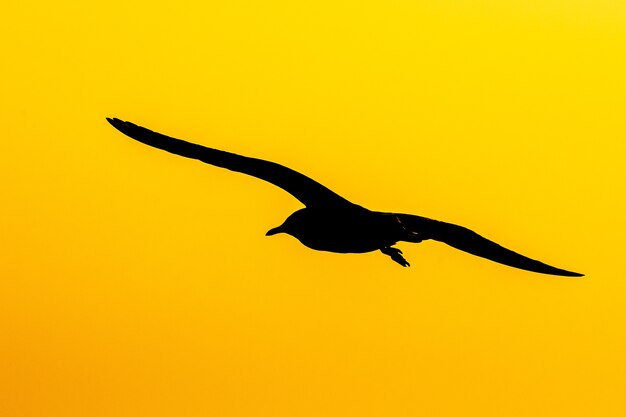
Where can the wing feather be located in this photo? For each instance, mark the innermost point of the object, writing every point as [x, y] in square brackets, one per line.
[308, 191]
[471, 242]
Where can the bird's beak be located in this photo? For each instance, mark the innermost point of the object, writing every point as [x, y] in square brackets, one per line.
[275, 230]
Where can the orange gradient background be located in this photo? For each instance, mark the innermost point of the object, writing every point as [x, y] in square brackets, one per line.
[137, 283]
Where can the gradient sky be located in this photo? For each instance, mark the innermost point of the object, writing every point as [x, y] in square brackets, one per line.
[137, 283]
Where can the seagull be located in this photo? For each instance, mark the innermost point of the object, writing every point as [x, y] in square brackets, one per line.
[329, 222]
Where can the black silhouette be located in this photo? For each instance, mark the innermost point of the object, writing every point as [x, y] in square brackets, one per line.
[331, 223]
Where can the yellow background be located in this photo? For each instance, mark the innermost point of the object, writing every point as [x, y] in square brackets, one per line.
[137, 283]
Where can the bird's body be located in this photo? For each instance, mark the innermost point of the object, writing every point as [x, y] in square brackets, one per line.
[331, 223]
[351, 230]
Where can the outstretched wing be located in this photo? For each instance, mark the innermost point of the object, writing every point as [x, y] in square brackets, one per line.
[308, 191]
[471, 242]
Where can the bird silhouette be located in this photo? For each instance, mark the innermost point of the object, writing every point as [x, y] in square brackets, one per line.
[331, 223]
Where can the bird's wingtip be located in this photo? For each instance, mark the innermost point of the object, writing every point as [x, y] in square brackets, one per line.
[120, 124]
[570, 274]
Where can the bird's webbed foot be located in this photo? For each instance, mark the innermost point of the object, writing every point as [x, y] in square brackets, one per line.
[395, 254]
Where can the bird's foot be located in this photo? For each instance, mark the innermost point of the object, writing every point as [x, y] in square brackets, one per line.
[395, 254]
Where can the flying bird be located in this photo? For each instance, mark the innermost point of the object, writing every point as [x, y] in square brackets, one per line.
[329, 222]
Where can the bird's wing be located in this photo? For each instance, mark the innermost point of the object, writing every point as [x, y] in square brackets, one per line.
[471, 242]
[308, 191]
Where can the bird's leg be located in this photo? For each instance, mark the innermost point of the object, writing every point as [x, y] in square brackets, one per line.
[395, 254]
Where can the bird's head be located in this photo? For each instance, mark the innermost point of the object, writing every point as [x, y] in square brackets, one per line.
[292, 225]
